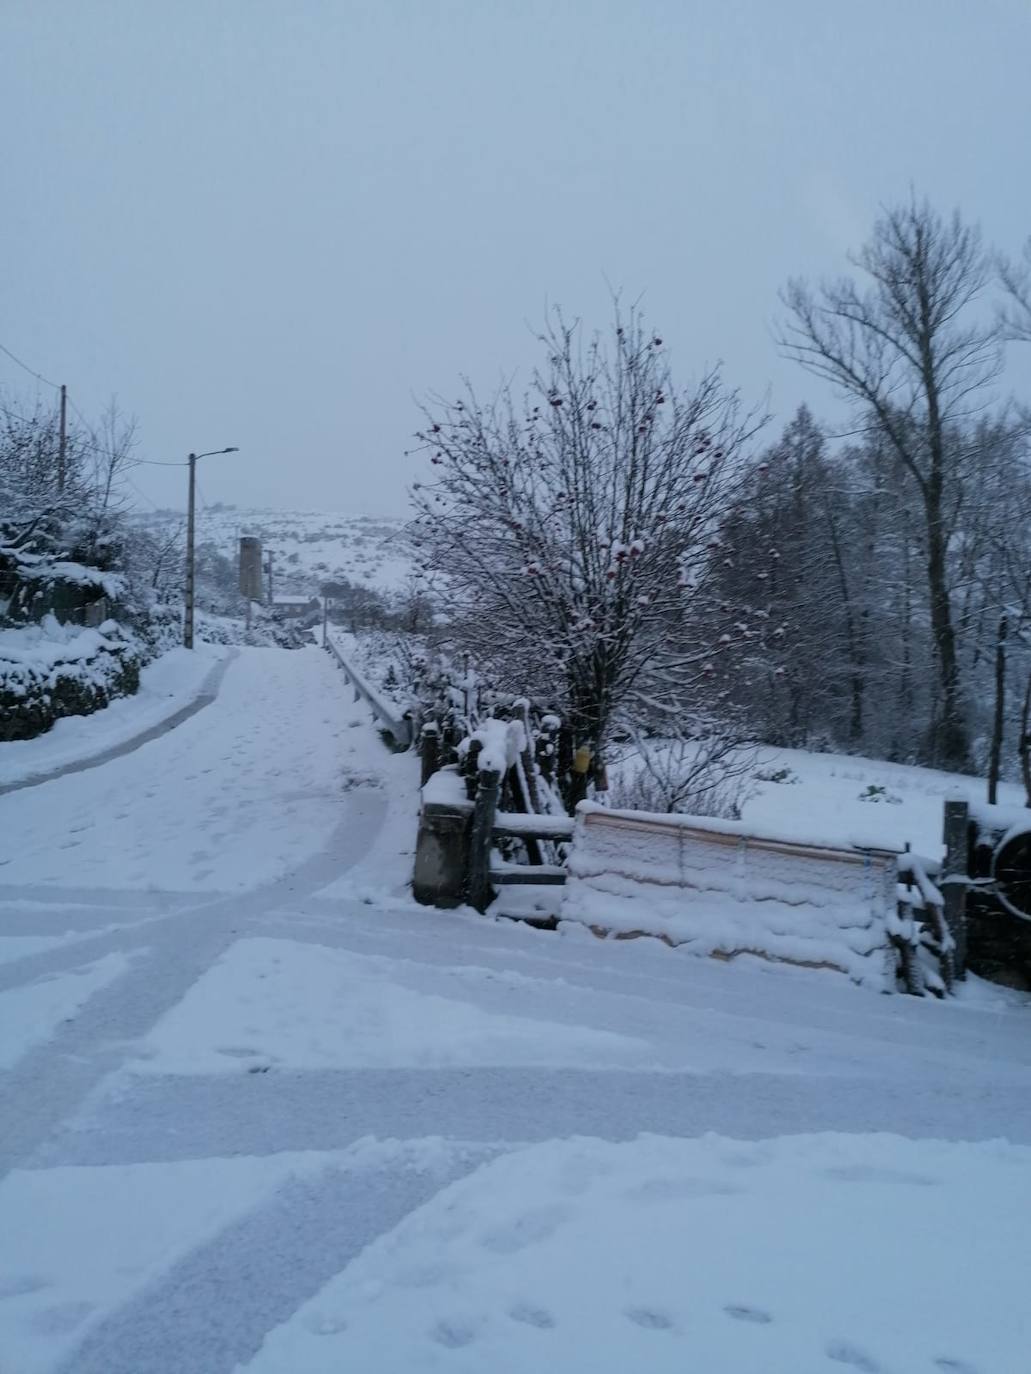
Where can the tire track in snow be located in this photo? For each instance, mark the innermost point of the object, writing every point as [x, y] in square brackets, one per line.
[271, 1262]
[163, 1118]
[208, 693]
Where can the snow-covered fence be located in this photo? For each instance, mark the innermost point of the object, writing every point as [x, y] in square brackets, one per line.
[397, 723]
[464, 831]
[719, 890]
[986, 885]
[920, 930]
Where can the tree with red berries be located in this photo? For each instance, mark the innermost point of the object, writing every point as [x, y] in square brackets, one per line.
[576, 529]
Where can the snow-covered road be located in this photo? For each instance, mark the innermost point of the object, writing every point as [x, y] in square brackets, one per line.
[261, 1113]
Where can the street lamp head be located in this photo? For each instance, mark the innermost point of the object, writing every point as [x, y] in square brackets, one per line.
[231, 450]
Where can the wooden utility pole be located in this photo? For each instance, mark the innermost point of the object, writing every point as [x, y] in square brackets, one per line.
[190, 518]
[998, 721]
[191, 508]
[62, 446]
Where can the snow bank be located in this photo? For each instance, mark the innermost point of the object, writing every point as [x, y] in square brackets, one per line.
[168, 685]
[709, 886]
[786, 1256]
[51, 670]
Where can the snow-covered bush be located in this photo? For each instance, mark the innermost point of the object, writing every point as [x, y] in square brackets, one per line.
[710, 775]
[52, 670]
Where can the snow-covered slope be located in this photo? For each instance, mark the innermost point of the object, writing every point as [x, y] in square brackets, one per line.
[308, 547]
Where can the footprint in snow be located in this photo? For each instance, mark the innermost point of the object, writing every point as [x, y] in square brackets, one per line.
[319, 1324]
[529, 1315]
[21, 1284]
[649, 1318]
[864, 1173]
[742, 1313]
[536, 1225]
[844, 1352]
[453, 1334]
[666, 1189]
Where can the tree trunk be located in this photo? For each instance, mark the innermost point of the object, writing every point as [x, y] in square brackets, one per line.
[952, 749]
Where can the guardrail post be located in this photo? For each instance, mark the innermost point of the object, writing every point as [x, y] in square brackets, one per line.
[484, 811]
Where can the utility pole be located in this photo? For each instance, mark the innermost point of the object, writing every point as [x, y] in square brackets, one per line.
[190, 519]
[270, 577]
[191, 506]
[62, 446]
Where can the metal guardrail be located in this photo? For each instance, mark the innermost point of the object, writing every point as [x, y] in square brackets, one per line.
[398, 724]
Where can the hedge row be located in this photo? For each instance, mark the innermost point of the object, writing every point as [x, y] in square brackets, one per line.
[36, 693]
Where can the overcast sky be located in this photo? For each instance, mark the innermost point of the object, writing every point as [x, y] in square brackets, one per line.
[275, 223]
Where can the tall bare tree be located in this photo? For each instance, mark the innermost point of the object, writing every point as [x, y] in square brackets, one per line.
[575, 528]
[905, 351]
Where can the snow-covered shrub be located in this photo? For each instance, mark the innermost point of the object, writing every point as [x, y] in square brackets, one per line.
[52, 670]
[707, 776]
[875, 792]
[778, 775]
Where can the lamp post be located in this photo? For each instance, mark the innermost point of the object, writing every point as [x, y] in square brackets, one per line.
[190, 515]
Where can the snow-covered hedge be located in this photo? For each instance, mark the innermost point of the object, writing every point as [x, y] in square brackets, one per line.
[51, 670]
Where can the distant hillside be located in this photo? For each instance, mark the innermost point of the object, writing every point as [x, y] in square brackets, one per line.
[308, 547]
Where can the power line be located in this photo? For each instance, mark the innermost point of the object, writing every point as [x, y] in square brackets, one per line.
[88, 444]
[82, 443]
[149, 500]
[25, 368]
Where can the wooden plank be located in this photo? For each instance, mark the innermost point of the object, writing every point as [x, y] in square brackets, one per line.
[731, 839]
[514, 827]
[535, 875]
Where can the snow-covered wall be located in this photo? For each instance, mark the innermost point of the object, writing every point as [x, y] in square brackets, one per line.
[52, 670]
[718, 891]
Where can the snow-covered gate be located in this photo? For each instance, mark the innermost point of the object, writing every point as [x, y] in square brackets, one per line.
[717, 889]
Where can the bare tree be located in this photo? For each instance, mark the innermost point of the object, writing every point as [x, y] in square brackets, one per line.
[111, 447]
[575, 530]
[1016, 282]
[904, 352]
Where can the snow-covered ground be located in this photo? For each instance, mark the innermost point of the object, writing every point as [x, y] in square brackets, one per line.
[260, 1113]
[844, 798]
[173, 684]
[308, 547]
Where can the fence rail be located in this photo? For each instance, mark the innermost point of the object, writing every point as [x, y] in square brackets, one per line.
[397, 723]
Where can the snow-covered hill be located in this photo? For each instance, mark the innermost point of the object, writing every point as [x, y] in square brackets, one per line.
[308, 547]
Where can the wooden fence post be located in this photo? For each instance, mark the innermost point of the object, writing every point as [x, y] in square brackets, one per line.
[484, 812]
[470, 768]
[429, 750]
[954, 878]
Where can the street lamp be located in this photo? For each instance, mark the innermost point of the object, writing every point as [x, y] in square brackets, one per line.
[190, 510]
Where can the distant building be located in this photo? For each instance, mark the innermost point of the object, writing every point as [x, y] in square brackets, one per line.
[293, 607]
